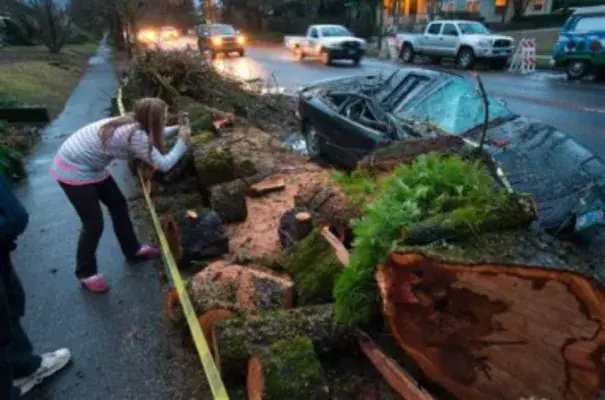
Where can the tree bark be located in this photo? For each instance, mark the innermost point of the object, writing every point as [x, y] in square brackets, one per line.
[229, 201]
[237, 339]
[484, 330]
[287, 369]
[214, 165]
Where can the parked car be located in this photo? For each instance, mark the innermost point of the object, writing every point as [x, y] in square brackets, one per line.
[345, 120]
[329, 42]
[220, 38]
[581, 45]
[169, 33]
[466, 41]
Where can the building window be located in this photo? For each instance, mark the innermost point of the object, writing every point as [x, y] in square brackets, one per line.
[500, 3]
[538, 5]
[472, 6]
[448, 6]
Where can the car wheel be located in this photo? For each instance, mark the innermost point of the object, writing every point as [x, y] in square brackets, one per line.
[577, 69]
[312, 138]
[407, 53]
[498, 65]
[466, 58]
[326, 58]
[242, 53]
[299, 55]
[356, 61]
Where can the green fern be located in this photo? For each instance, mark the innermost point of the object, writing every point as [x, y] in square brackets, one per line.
[431, 185]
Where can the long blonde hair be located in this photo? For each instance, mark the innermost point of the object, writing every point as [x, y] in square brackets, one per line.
[149, 115]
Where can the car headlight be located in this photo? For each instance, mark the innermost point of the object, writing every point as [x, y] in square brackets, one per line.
[217, 41]
[241, 39]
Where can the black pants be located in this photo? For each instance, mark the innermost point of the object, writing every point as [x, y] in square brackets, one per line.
[85, 199]
[17, 359]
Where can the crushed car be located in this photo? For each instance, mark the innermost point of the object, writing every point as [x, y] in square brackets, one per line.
[346, 119]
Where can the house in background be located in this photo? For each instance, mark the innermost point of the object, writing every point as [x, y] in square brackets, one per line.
[406, 13]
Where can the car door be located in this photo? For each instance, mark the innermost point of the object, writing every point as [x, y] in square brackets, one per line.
[312, 42]
[430, 38]
[350, 140]
[449, 39]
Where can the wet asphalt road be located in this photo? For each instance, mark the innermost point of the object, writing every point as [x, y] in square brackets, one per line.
[572, 107]
[121, 347]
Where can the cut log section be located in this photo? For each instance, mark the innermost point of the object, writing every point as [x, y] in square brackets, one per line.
[237, 339]
[229, 201]
[486, 331]
[269, 185]
[294, 225]
[239, 288]
[517, 212]
[288, 369]
[196, 239]
[386, 159]
[214, 165]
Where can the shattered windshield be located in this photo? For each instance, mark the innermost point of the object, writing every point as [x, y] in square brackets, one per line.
[455, 108]
[335, 31]
[473, 28]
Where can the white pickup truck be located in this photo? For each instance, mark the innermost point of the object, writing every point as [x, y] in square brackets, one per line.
[329, 42]
[466, 41]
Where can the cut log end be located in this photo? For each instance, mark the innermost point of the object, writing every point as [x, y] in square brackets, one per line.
[173, 237]
[208, 319]
[255, 380]
[303, 216]
[496, 331]
[191, 214]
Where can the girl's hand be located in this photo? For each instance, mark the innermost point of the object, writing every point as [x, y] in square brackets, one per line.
[185, 132]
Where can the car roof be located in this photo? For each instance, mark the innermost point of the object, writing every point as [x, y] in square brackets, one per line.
[589, 10]
[328, 26]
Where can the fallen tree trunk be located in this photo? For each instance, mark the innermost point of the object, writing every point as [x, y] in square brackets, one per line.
[484, 330]
[229, 201]
[287, 369]
[517, 212]
[237, 339]
[385, 159]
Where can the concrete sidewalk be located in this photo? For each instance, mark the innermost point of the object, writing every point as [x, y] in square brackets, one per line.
[120, 344]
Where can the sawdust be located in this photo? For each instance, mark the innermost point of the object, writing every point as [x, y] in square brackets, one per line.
[258, 235]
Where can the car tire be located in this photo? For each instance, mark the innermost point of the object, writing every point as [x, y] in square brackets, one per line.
[407, 54]
[498, 65]
[577, 69]
[465, 58]
[312, 140]
[242, 53]
[299, 55]
[326, 57]
[356, 61]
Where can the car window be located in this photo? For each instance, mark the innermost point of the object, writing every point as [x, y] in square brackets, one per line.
[313, 33]
[408, 88]
[335, 31]
[455, 108]
[590, 23]
[472, 28]
[222, 30]
[450, 30]
[434, 29]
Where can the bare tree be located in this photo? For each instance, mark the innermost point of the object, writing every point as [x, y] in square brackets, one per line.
[51, 21]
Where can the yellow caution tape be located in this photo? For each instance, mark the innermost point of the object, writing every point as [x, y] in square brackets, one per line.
[212, 374]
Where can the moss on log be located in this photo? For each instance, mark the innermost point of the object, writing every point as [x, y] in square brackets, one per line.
[229, 201]
[237, 339]
[214, 165]
[314, 267]
[288, 369]
[484, 330]
[239, 288]
[515, 212]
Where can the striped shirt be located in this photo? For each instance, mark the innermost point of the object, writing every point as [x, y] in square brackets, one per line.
[82, 159]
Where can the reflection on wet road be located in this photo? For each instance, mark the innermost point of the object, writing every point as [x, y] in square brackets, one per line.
[575, 108]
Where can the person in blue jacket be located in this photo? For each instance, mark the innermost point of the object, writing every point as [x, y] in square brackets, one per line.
[20, 368]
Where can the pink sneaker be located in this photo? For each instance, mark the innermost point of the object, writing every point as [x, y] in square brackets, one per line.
[146, 252]
[95, 284]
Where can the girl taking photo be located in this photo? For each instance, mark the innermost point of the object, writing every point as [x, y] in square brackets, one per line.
[80, 168]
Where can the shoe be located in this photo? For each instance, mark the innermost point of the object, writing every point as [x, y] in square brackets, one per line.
[147, 252]
[51, 363]
[95, 284]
